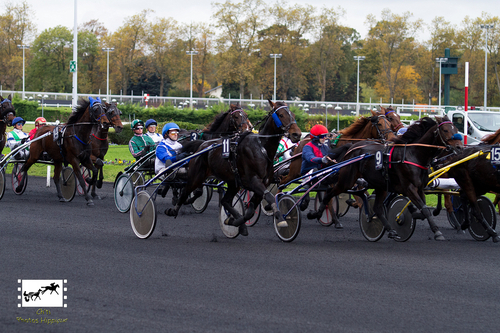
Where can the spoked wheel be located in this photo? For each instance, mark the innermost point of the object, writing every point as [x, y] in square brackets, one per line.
[143, 215]
[2, 183]
[17, 178]
[404, 224]
[458, 212]
[228, 230]
[476, 229]
[68, 184]
[86, 174]
[201, 203]
[246, 196]
[343, 206]
[124, 190]
[326, 219]
[273, 188]
[288, 233]
[372, 230]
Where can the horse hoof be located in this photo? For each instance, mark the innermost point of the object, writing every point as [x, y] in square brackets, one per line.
[229, 221]
[170, 212]
[496, 239]
[62, 200]
[282, 224]
[439, 236]
[90, 203]
[339, 226]
[243, 230]
[392, 234]
[313, 215]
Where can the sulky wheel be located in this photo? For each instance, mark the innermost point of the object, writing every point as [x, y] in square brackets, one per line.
[372, 229]
[246, 196]
[68, 184]
[476, 229]
[201, 203]
[326, 219]
[273, 188]
[123, 192]
[458, 217]
[17, 178]
[292, 218]
[143, 215]
[228, 230]
[404, 224]
[2, 183]
[343, 207]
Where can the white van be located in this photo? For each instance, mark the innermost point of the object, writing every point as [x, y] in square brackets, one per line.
[480, 123]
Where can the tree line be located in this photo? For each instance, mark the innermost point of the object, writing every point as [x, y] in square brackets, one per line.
[317, 51]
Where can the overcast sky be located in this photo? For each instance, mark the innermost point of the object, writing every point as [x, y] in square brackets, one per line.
[50, 13]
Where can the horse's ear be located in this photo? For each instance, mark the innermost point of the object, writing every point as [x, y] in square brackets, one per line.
[9, 97]
[374, 113]
[1, 98]
[439, 119]
[271, 103]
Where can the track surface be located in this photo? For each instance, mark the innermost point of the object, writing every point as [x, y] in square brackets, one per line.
[189, 278]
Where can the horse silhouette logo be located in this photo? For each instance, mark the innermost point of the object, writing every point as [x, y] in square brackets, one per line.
[42, 293]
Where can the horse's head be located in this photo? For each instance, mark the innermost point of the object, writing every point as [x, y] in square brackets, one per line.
[239, 119]
[448, 133]
[393, 117]
[7, 111]
[382, 125]
[97, 112]
[284, 120]
[113, 115]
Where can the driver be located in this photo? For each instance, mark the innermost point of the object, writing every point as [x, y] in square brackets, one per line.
[17, 137]
[39, 122]
[169, 149]
[151, 131]
[140, 144]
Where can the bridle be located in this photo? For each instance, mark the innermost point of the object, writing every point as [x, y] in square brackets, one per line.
[110, 113]
[400, 125]
[6, 107]
[455, 136]
[277, 120]
[244, 119]
[381, 132]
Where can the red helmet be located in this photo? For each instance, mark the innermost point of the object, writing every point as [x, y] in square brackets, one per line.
[317, 130]
[40, 121]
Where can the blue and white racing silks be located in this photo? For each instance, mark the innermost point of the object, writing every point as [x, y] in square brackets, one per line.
[166, 150]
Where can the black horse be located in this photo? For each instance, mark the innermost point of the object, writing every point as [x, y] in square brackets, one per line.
[250, 166]
[405, 169]
[232, 121]
[7, 114]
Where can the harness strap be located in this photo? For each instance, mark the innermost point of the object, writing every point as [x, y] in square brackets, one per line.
[99, 138]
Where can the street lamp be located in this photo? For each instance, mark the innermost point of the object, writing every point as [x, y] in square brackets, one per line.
[107, 49]
[486, 27]
[338, 108]
[42, 97]
[440, 61]
[23, 47]
[191, 53]
[358, 59]
[275, 56]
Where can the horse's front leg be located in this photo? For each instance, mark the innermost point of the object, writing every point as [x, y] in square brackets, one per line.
[78, 173]
[412, 192]
[379, 210]
[57, 173]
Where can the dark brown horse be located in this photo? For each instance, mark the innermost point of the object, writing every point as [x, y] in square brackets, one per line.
[250, 167]
[100, 145]
[235, 120]
[7, 114]
[394, 118]
[75, 147]
[405, 171]
[475, 177]
[375, 127]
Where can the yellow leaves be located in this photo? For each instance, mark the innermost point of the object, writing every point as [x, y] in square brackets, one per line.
[406, 86]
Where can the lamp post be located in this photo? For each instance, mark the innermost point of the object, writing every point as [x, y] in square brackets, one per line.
[23, 47]
[338, 108]
[107, 49]
[440, 61]
[275, 56]
[42, 97]
[358, 59]
[191, 53]
[486, 27]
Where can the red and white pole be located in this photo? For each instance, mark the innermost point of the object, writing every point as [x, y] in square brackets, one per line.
[466, 100]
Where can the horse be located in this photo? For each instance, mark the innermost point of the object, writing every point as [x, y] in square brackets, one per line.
[394, 118]
[100, 145]
[250, 165]
[53, 288]
[475, 177]
[72, 148]
[29, 296]
[405, 170]
[492, 139]
[377, 127]
[7, 114]
[227, 123]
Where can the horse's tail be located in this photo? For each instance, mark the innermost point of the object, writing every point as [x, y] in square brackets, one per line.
[191, 146]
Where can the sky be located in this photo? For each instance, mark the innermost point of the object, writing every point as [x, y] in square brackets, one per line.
[50, 13]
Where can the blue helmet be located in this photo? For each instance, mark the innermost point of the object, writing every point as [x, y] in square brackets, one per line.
[18, 120]
[168, 127]
[150, 122]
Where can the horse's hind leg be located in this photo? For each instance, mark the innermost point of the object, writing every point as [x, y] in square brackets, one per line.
[479, 217]
[416, 199]
[57, 172]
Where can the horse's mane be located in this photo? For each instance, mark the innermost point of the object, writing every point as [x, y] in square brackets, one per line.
[83, 104]
[416, 131]
[492, 138]
[355, 127]
[214, 125]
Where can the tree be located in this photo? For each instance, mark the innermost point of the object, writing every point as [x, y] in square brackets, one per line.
[394, 40]
[407, 87]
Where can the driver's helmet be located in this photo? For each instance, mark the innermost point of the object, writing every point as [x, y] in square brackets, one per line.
[40, 121]
[169, 127]
[18, 120]
[318, 130]
[136, 122]
[402, 131]
[150, 122]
